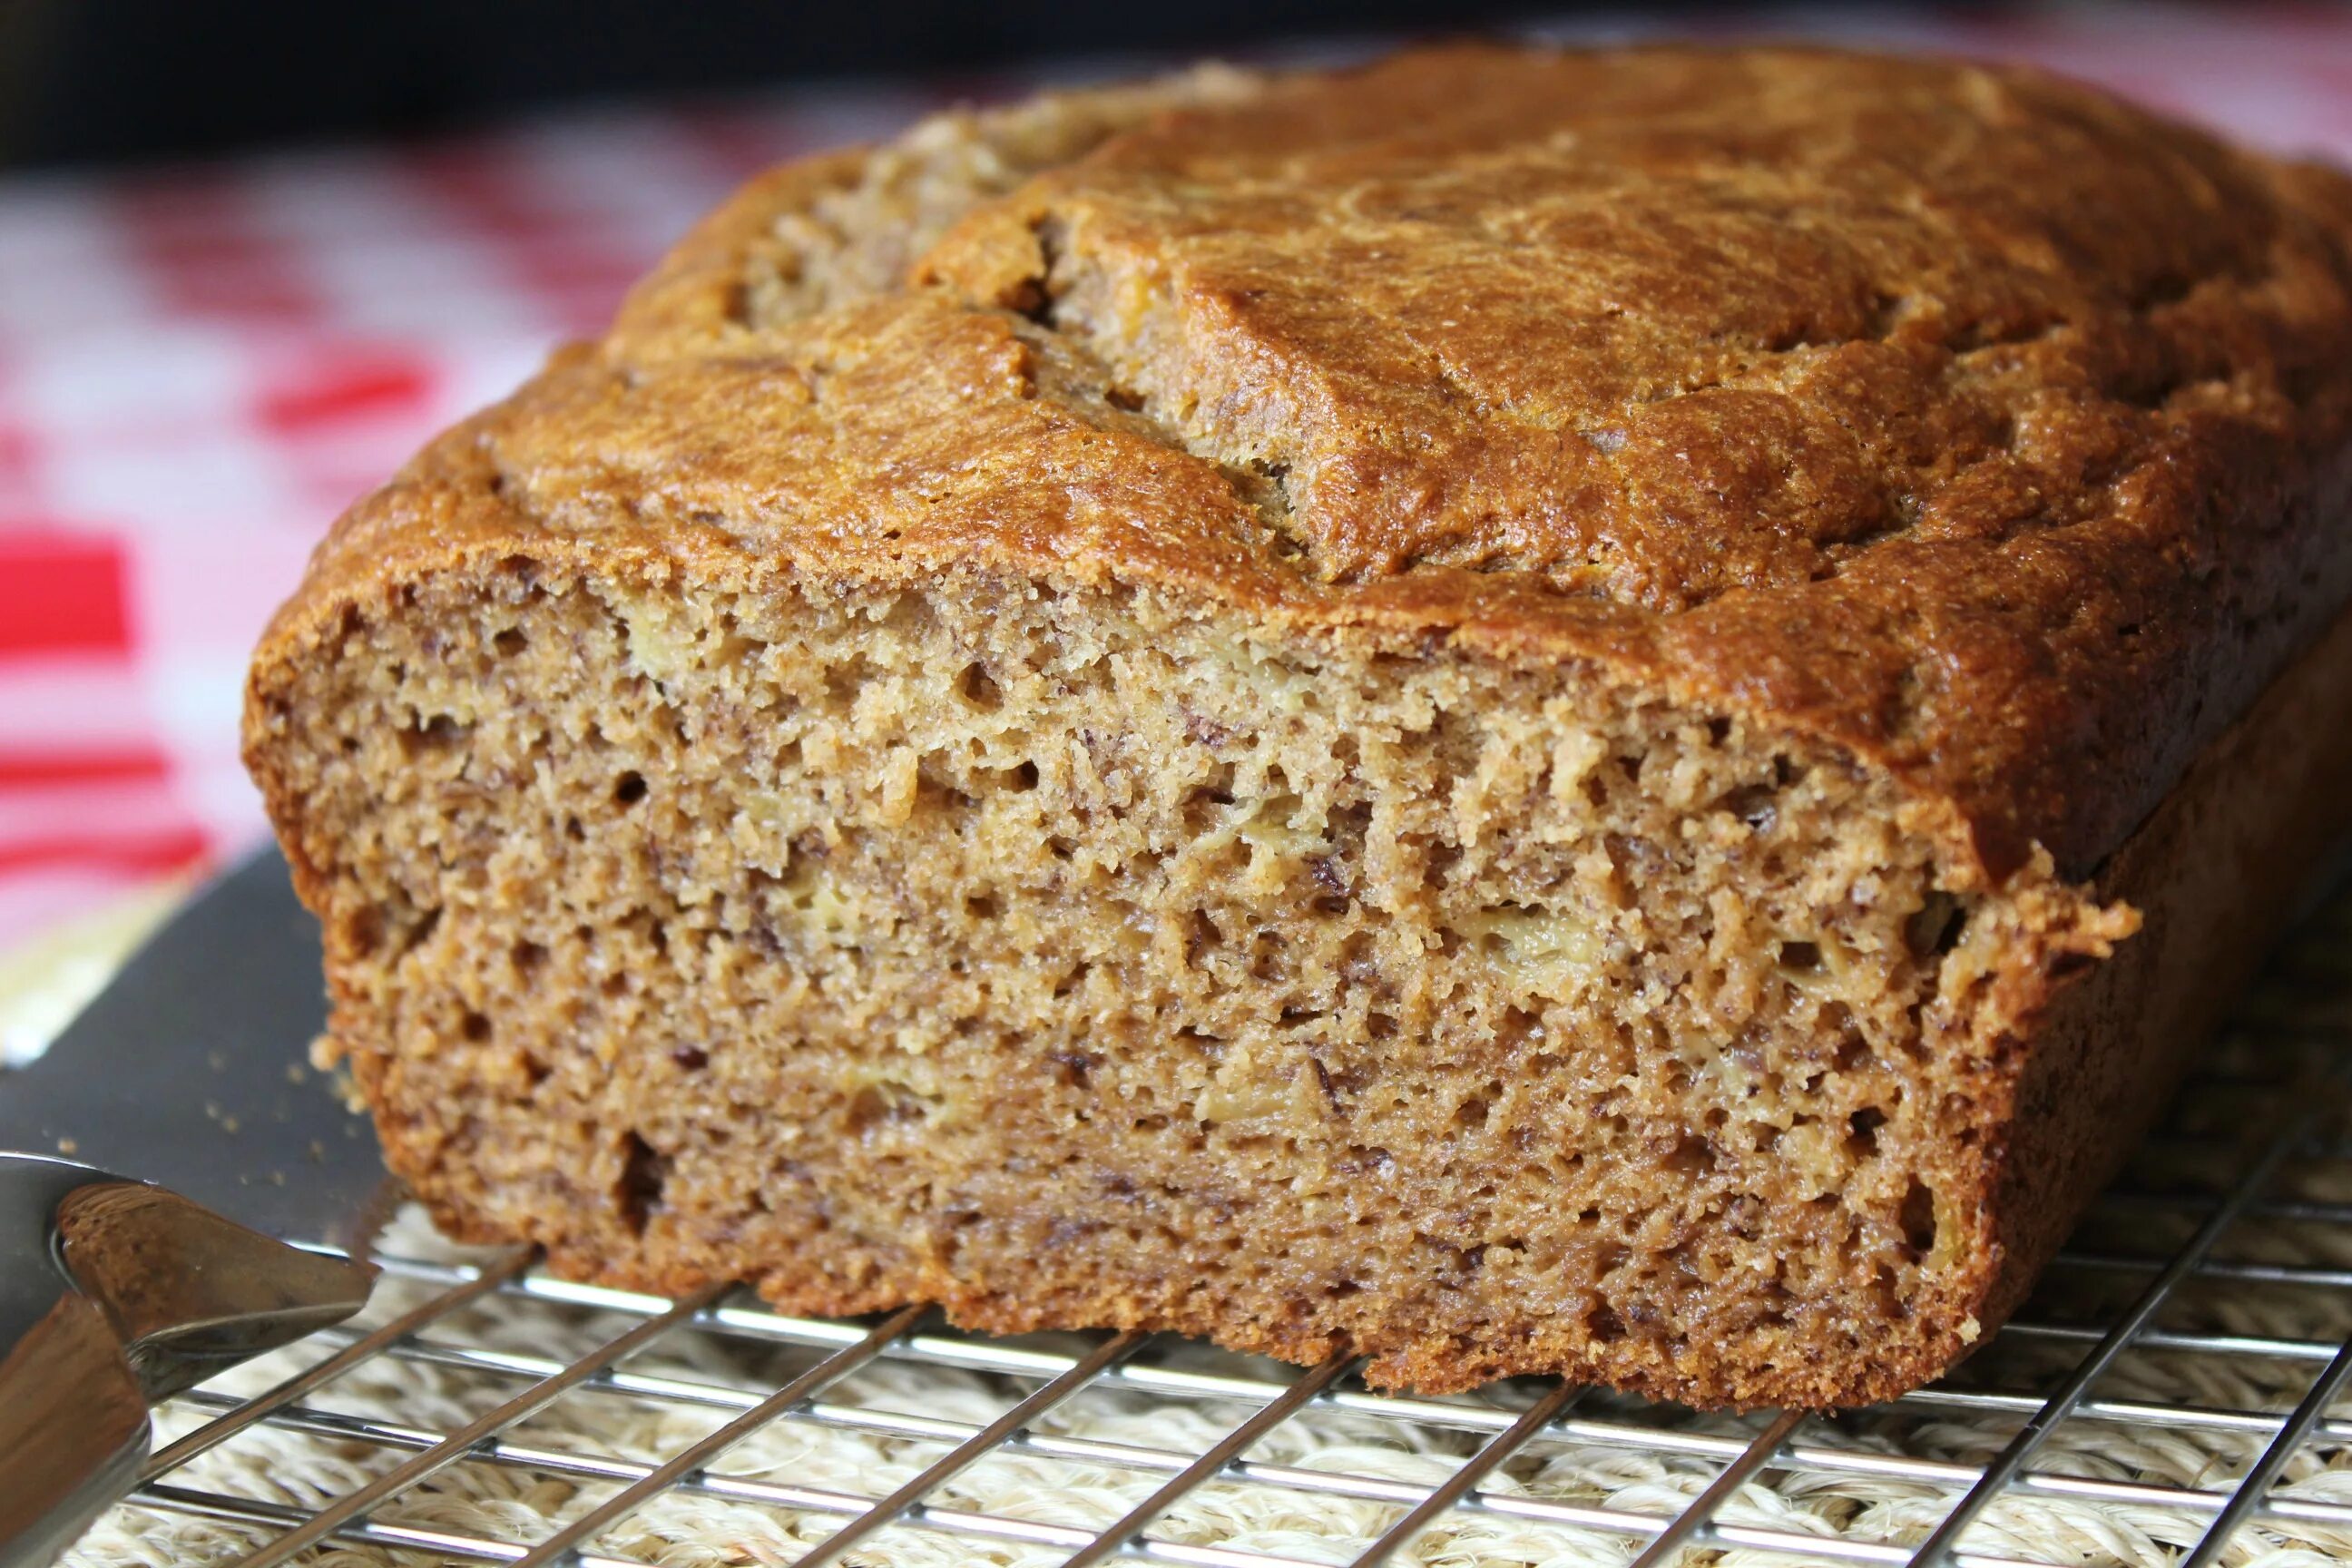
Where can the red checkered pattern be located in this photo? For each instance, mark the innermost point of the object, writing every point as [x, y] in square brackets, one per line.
[200, 366]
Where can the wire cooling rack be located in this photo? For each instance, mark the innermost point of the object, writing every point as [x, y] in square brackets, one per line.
[2166, 1397]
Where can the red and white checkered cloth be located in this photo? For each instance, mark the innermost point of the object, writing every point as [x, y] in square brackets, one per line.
[199, 367]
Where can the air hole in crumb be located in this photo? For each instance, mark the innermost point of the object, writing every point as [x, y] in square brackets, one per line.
[1126, 399]
[630, 789]
[979, 689]
[644, 1172]
[476, 1028]
[1691, 1156]
[981, 907]
[1267, 956]
[1935, 929]
[439, 733]
[1917, 1217]
[1853, 1055]
[1801, 956]
[1201, 936]
[1201, 807]
[510, 642]
[528, 957]
[573, 831]
[1471, 1112]
[936, 794]
[843, 683]
[692, 1058]
[1758, 805]
[1072, 1068]
[1025, 777]
[1061, 847]
[874, 1107]
[1604, 1323]
[1863, 1140]
[1210, 1045]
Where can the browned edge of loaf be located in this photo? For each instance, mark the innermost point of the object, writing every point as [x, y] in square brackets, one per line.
[2232, 855]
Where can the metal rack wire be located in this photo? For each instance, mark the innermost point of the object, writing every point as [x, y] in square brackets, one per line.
[2175, 1380]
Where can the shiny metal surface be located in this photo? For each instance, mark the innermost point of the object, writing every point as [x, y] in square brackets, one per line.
[114, 1294]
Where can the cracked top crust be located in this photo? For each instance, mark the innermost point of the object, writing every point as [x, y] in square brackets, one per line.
[1963, 417]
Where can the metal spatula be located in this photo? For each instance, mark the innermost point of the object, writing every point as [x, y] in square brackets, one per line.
[114, 1294]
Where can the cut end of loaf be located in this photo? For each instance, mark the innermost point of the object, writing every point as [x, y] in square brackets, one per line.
[1071, 957]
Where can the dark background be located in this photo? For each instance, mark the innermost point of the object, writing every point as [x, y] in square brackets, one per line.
[84, 80]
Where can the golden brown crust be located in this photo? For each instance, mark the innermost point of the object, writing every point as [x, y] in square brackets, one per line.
[1959, 416]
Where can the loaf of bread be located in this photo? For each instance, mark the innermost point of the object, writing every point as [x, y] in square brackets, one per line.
[1605, 713]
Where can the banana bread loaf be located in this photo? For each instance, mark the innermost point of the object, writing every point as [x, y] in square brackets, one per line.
[1609, 713]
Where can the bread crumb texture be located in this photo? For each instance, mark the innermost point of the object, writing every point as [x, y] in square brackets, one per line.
[1468, 709]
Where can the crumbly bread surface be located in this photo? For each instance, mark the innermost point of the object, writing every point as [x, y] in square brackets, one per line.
[1470, 709]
